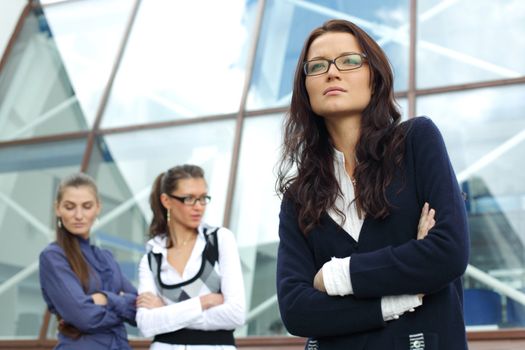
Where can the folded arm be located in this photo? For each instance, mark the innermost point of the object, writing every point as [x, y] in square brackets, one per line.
[64, 291]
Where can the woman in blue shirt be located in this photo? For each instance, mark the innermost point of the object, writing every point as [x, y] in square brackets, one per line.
[83, 284]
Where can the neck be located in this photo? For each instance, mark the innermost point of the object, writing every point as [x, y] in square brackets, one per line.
[181, 235]
[344, 133]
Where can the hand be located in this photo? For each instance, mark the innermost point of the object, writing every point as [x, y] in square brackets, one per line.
[426, 221]
[318, 281]
[211, 300]
[149, 300]
[99, 298]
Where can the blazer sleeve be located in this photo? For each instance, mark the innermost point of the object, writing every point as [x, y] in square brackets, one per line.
[64, 291]
[427, 265]
[306, 311]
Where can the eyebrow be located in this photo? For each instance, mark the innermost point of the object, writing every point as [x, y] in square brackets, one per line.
[192, 195]
[70, 202]
[339, 55]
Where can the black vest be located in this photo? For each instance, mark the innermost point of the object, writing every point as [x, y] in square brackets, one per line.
[191, 288]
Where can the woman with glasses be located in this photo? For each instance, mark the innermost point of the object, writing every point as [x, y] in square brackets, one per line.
[81, 283]
[363, 262]
[191, 291]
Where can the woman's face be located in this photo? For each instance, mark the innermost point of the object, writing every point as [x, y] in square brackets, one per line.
[338, 93]
[77, 210]
[189, 216]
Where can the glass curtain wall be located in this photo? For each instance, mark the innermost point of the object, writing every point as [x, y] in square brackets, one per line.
[124, 89]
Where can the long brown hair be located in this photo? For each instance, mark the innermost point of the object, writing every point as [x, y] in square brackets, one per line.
[69, 243]
[167, 182]
[305, 170]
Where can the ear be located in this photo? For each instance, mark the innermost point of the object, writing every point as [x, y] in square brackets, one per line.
[165, 200]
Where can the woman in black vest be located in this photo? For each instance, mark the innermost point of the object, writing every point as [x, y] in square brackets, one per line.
[191, 291]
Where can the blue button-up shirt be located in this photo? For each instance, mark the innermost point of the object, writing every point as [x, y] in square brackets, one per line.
[102, 326]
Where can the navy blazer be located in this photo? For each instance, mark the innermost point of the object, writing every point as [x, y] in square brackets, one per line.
[387, 260]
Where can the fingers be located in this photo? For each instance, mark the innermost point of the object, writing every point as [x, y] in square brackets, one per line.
[426, 221]
[149, 300]
[211, 300]
[424, 210]
[319, 281]
[430, 218]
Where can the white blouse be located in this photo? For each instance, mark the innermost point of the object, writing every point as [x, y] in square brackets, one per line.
[189, 313]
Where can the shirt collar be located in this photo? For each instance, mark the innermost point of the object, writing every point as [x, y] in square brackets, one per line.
[339, 156]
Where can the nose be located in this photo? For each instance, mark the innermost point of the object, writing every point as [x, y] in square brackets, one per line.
[78, 214]
[199, 206]
[333, 72]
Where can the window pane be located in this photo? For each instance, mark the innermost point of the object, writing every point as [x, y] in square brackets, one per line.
[287, 24]
[88, 35]
[487, 147]
[29, 176]
[180, 65]
[35, 92]
[403, 108]
[453, 48]
[255, 222]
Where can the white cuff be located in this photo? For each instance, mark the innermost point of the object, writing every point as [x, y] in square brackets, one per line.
[394, 306]
[336, 277]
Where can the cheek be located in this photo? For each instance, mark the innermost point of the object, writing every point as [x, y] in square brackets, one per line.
[91, 215]
[310, 90]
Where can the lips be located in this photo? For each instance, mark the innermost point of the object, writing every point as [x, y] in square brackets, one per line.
[333, 90]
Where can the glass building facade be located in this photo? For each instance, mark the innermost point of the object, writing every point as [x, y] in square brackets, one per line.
[124, 89]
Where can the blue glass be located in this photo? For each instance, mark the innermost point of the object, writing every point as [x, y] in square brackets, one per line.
[453, 48]
[255, 220]
[88, 35]
[182, 60]
[484, 131]
[36, 94]
[287, 24]
[29, 176]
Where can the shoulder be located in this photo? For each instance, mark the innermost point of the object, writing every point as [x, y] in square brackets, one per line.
[52, 251]
[420, 127]
[289, 208]
[156, 244]
[225, 237]
[225, 234]
[52, 259]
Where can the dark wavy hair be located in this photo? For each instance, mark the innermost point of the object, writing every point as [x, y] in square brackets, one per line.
[305, 170]
[167, 182]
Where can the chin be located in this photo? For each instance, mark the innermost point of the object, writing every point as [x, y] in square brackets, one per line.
[193, 225]
[78, 233]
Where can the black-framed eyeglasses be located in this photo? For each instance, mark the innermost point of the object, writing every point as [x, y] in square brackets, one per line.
[345, 62]
[190, 200]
